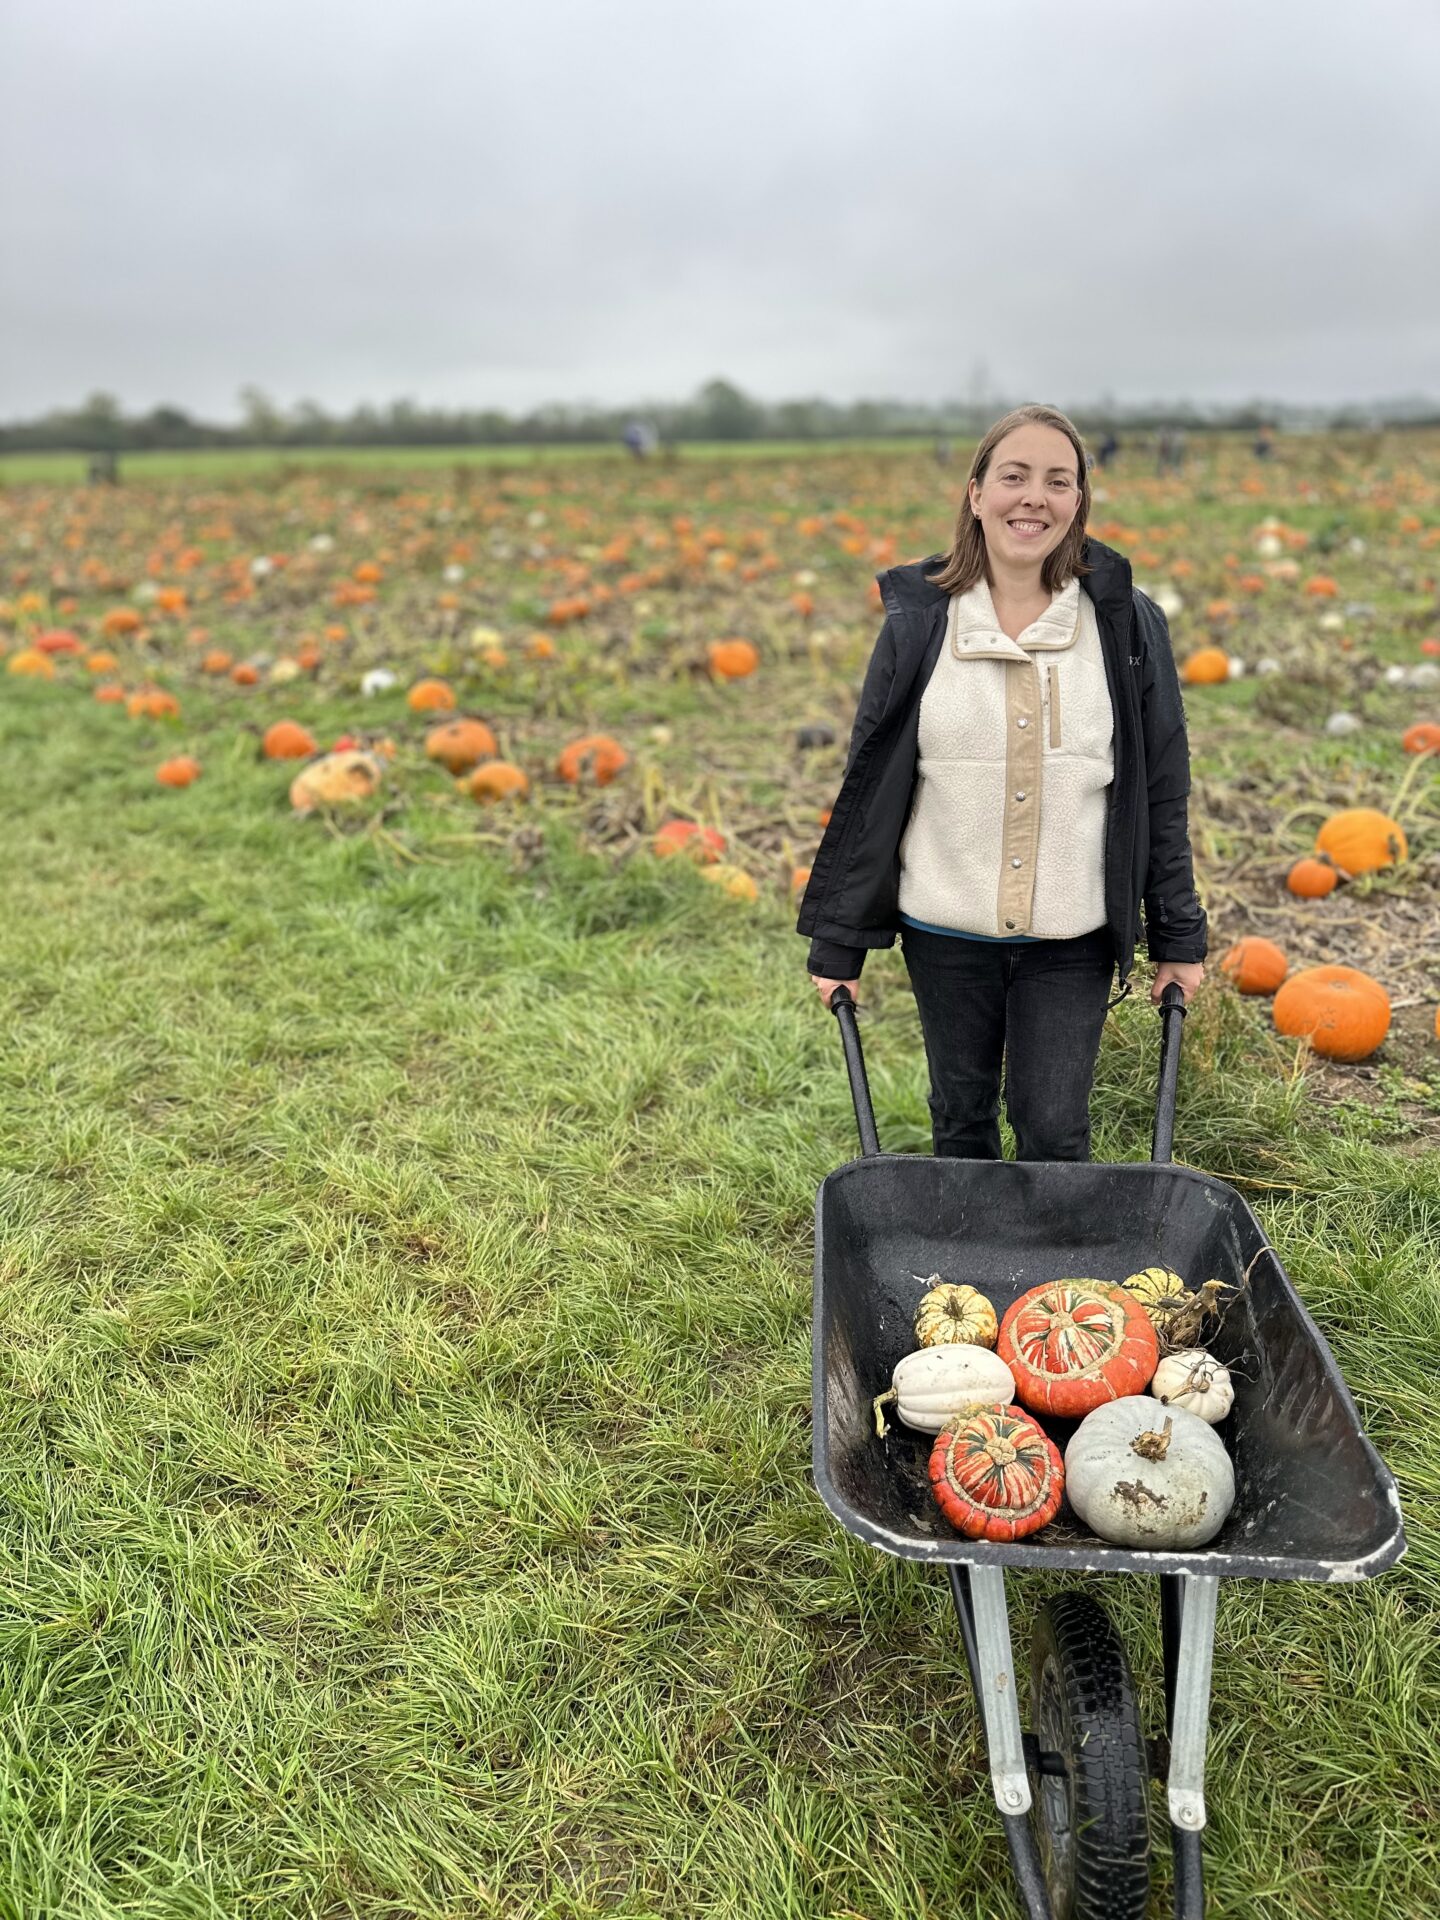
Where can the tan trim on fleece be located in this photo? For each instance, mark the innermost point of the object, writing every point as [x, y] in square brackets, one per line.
[1052, 675]
[1020, 831]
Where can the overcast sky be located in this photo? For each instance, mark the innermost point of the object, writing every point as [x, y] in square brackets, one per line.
[477, 204]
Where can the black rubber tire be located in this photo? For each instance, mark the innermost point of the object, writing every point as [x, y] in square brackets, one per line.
[1092, 1826]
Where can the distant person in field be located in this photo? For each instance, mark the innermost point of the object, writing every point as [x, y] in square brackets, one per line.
[1003, 814]
[1108, 449]
[1264, 445]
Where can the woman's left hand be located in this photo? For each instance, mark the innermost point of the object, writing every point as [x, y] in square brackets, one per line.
[1186, 973]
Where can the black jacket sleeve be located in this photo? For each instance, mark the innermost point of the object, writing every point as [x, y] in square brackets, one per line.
[1175, 923]
[826, 958]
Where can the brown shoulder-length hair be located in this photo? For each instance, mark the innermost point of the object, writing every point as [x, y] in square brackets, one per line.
[964, 564]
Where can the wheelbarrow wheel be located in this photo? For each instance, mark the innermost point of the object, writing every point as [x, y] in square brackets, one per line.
[1091, 1788]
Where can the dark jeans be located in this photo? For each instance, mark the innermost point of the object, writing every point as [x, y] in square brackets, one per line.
[1042, 1006]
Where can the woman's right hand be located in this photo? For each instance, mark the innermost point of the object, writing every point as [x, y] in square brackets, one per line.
[825, 988]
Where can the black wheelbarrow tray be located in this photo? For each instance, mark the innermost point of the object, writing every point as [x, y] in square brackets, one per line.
[1313, 1499]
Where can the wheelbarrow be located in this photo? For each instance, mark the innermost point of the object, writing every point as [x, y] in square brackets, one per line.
[1313, 1499]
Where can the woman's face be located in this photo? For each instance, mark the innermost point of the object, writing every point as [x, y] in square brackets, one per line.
[1029, 496]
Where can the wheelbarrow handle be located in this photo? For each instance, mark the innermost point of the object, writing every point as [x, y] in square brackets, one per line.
[1172, 1014]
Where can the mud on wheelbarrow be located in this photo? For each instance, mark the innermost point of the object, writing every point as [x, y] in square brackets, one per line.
[1313, 1499]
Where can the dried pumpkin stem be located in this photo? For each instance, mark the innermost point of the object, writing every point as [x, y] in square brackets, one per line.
[1153, 1445]
[881, 1427]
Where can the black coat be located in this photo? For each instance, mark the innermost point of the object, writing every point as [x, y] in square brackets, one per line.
[851, 901]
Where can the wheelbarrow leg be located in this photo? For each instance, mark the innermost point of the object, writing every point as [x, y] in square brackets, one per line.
[979, 1596]
[1187, 1632]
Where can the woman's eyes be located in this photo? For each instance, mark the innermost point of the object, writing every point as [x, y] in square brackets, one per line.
[1014, 479]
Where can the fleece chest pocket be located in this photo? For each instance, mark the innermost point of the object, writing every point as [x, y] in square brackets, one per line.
[1076, 703]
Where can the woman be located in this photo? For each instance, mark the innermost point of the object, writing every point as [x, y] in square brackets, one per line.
[1016, 787]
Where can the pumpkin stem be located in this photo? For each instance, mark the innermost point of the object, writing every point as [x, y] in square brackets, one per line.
[1153, 1445]
[881, 1426]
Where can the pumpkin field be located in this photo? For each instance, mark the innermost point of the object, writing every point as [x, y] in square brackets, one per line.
[413, 1100]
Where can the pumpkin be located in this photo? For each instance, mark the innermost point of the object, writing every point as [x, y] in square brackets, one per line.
[460, 744]
[934, 1384]
[702, 844]
[287, 740]
[594, 753]
[244, 675]
[732, 880]
[732, 659]
[152, 703]
[31, 661]
[178, 772]
[1423, 737]
[1073, 1343]
[1157, 1287]
[497, 780]
[950, 1313]
[335, 780]
[1362, 839]
[1207, 667]
[101, 662]
[1255, 965]
[1195, 1382]
[1312, 879]
[217, 661]
[1140, 1480]
[1344, 1013]
[997, 1475]
[430, 696]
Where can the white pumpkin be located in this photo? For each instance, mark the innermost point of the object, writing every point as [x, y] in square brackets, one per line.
[1197, 1383]
[934, 1384]
[1144, 1476]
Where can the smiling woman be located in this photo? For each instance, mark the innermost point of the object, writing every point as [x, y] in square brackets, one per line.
[1008, 848]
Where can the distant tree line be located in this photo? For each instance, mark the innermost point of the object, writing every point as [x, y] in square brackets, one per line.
[719, 411]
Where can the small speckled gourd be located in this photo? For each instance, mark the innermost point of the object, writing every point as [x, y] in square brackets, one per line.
[949, 1314]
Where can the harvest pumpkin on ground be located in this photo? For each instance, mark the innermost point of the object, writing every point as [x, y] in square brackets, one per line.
[595, 755]
[1362, 839]
[430, 696]
[497, 780]
[1255, 965]
[336, 780]
[703, 844]
[178, 772]
[460, 744]
[287, 740]
[1311, 879]
[732, 659]
[1072, 1344]
[1423, 737]
[1344, 1013]
[1206, 667]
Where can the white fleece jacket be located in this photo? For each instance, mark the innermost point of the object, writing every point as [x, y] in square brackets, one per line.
[1006, 833]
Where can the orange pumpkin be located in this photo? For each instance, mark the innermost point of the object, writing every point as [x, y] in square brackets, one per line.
[703, 844]
[1206, 667]
[152, 703]
[120, 620]
[178, 772]
[732, 659]
[460, 744]
[997, 1475]
[1344, 1013]
[1073, 1344]
[288, 740]
[110, 695]
[31, 661]
[431, 696]
[497, 780]
[1362, 839]
[101, 662]
[1312, 879]
[245, 675]
[57, 640]
[594, 753]
[1255, 965]
[216, 661]
[1423, 737]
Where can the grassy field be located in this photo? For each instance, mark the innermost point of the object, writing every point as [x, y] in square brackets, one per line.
[405, 1244]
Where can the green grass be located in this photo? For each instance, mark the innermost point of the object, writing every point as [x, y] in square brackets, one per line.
[406, 1284]
[262, 463]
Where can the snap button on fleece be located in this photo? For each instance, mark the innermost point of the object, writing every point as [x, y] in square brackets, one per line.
[1019, 796]
[1022, 721]
[1015, 863]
